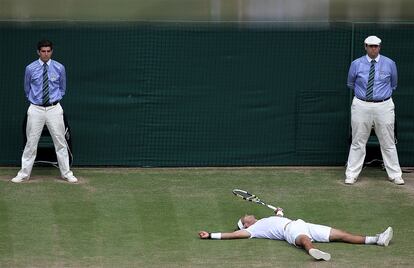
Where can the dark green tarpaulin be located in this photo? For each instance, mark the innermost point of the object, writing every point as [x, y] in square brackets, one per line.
[203, 94]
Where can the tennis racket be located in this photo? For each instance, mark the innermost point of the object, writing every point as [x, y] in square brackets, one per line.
[252, 198]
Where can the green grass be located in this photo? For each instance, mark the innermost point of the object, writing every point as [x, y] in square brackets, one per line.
[150, 217]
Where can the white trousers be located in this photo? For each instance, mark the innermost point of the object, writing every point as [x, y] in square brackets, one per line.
[37, 117]
[364, 117]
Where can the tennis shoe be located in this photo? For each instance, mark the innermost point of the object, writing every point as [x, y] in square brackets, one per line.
[19, 179]
[319, 254]
[71, 179]
[385, 237]
[350, 180]
[398, 181]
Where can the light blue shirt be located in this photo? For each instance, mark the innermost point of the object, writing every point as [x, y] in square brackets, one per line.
[385, 80]
[33, 81]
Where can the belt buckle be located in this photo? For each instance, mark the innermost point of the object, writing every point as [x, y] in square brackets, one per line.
[51, 104]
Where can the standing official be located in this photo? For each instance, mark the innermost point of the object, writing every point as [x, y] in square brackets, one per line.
[373, 78]
[45, 86]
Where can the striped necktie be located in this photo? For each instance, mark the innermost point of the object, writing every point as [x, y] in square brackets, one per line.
[45, 86]
[370, 88]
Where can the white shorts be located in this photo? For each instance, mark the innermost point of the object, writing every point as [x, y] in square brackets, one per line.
[316, 232]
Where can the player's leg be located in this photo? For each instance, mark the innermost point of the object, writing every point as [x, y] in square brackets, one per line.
[305, 242]
[298, 233]
[382, 239]
[337, 235]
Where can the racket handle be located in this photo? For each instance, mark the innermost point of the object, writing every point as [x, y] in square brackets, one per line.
[271, 207]
[278, 211]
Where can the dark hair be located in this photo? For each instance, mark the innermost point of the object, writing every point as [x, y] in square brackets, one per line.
[44, 43]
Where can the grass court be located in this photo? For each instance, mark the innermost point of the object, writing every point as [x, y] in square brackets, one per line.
[120, 217]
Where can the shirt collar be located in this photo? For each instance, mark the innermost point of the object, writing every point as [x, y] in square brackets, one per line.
[376, 59]
[41, 62]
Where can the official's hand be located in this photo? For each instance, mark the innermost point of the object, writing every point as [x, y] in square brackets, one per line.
[203, 235]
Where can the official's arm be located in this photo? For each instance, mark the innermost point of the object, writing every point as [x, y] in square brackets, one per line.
[351, 76]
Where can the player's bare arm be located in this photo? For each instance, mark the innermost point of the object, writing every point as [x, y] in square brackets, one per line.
[240, 234]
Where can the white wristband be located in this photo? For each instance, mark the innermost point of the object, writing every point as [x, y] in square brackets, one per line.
[215, 235]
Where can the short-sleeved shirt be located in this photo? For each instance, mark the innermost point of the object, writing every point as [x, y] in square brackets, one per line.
[270, 228]
[279, 228]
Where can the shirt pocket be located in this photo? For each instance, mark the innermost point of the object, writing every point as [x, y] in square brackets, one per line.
[384, 76]
[54, 77]
[36, 79]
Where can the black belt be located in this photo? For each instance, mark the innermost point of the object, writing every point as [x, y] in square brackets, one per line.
[375, 100]
[48, 104]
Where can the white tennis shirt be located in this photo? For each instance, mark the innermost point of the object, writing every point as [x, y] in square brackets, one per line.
[270, 228]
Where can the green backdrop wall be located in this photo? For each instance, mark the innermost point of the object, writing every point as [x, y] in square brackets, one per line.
[203, 94]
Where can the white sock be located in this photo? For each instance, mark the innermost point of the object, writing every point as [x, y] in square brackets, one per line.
[371, 239]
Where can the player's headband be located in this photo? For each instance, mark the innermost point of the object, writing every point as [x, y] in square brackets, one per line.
[240, 225]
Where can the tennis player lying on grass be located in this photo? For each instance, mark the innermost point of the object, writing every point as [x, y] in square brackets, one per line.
[297, 233]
